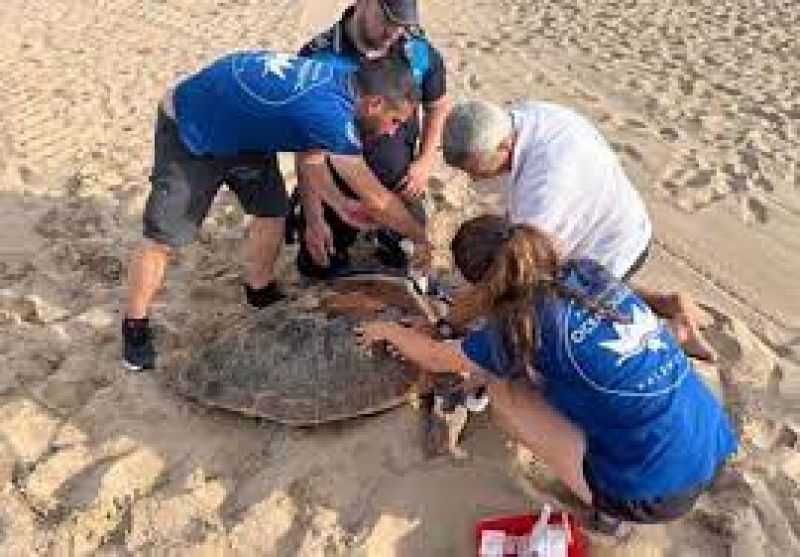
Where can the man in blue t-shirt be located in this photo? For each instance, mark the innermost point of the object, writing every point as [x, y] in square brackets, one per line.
[369, 30]
[226, 124]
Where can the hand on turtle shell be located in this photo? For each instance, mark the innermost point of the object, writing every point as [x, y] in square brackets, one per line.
[371, 332]
[394, 353]
[419, 324]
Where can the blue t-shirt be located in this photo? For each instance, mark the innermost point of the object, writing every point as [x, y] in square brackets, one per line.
[652, 427]
[264, 102]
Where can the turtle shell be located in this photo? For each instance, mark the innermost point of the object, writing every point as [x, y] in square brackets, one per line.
[298, 362]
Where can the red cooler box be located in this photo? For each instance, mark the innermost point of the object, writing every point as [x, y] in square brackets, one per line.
[513, 536]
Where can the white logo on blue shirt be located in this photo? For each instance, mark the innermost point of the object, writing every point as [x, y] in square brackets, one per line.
[620, 358]
[277, 63]
[641, 334]
[352, 135]
[278, 79]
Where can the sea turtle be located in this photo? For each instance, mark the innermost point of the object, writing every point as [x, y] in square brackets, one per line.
[298, 361]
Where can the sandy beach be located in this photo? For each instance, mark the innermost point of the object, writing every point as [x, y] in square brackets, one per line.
[700, 99]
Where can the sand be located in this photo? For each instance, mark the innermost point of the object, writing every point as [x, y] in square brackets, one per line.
[700, 100]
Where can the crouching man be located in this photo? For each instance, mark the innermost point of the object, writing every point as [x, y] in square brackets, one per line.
[225, 125]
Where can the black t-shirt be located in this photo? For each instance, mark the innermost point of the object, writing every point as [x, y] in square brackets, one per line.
[398, 151]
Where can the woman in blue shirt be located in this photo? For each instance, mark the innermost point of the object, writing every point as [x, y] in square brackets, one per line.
[581, 372]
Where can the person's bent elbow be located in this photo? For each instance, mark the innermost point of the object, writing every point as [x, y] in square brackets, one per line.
[377, 202]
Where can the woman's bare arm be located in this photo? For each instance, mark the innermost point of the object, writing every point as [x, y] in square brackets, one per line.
[420, 349]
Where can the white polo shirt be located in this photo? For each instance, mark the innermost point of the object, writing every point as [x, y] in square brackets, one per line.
[566, 179]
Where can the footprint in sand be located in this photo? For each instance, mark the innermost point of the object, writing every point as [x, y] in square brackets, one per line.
[669, 134]
[753, 210]
[636, 124]
[88, 494]
[628, 150]
[747, 369]
[754, 498]
[98, 262]
[79, 218]
[633, 152]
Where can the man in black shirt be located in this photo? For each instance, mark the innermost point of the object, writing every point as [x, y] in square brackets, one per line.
[402, 162]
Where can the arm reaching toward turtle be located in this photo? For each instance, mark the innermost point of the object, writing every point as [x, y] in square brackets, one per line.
[419, 348]
[382, 205]
[375, 206]
[317, 187]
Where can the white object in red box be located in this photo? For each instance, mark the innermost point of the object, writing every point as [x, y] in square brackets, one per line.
[544, 540]
[514, 536]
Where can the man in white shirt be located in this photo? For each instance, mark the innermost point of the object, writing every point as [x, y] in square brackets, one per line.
[563, 177]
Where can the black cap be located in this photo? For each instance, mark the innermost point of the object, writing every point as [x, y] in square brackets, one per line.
[401, 12]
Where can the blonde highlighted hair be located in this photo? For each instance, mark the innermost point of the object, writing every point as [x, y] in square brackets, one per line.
[510, 265]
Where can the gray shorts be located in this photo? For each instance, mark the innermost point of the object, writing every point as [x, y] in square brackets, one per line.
[654, 511]
[183, 186]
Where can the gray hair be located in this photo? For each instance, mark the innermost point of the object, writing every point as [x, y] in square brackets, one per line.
[474, 127]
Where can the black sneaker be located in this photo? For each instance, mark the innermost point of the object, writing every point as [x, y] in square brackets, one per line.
[261, 298]
[139, 352]
[338, 265]
[389, 252]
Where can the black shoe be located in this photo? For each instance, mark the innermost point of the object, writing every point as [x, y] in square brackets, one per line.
[139, 354]
[389, 252]
[338, 265]
[294, 222]
[260, 298]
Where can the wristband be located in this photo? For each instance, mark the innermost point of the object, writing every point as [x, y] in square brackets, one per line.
[445, 329]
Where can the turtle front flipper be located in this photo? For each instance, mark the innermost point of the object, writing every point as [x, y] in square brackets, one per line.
[443, 417]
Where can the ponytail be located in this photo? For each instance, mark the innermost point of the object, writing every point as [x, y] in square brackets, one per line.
[511, 266]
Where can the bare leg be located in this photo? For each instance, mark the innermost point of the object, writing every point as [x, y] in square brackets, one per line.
[145, 276]
[526, 416]
[684, 318]
[265, 237]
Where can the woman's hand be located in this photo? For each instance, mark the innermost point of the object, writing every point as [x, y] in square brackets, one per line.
[419, 324]
[378, 332]
[372, 332]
